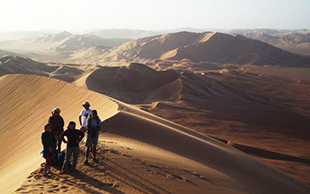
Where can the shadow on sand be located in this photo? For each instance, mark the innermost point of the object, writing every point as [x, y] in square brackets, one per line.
[129, 178]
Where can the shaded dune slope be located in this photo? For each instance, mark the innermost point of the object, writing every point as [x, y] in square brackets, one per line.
[29, 99]
[135, 83]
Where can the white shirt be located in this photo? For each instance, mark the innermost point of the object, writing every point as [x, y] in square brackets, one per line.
[84, 114]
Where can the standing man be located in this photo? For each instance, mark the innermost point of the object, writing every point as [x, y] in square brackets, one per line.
[84, 116]
[49, 145]
[74, 137]
[57, 125]
[93, 128]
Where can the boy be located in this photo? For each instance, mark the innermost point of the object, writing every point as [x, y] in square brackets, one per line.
[84, 116]
[93, 128]
[74, 137]
[49, 145]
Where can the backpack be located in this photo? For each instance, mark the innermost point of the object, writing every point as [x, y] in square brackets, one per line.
[61, 158]
[55, 158]
[92, 132]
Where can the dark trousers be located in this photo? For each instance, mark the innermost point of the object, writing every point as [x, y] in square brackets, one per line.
[69, 152]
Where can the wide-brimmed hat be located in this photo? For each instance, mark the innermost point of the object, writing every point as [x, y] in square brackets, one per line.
[86, 104]
[56, 110]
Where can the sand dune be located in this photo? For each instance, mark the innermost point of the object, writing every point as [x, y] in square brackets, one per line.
[134, 83]
[5, 53]
[155, 138]
[28, 102]
[197, 47]
[61, 42]
[24, 65]
[258, 110]
[296, 42]
[222, 48]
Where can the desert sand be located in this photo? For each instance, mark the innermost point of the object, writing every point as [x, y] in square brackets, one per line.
[164, 155]
[210, 47]
[191, 119]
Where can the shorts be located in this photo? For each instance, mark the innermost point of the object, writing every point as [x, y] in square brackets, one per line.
[92, 140]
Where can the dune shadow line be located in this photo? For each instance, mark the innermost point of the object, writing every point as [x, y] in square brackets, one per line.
[130, 179]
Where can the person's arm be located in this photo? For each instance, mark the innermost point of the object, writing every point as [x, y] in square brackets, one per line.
[88, 124]
[99, 125]
[81, 136]
[63, 136]
[80, 119]
[54, 141]
[62, 122]
[43, 139]
[50, 122]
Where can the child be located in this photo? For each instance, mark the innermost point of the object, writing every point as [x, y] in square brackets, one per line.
[49, 145]
[74, 137]
[84, 116]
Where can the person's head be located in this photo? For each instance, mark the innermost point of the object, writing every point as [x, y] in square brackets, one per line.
[47, 127]
[71, 125]
[94, 114]
[86, 105]
[56, 112]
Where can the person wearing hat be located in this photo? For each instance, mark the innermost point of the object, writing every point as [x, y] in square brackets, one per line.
[74, 137]
[93, 128]
[84, 116]
[57, 125]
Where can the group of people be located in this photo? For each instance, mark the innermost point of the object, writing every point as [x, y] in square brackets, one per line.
[55, 134]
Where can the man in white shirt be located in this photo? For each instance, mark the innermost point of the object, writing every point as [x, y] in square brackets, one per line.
[84, 116]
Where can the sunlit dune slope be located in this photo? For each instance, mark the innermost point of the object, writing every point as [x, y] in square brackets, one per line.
[211, 47]
[29, 99]
[23, 65]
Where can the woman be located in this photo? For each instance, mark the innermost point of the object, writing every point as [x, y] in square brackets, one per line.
[57, 125]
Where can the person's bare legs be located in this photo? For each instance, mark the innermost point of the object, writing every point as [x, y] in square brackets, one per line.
[87, 155]
[47, 167]
[94, 153]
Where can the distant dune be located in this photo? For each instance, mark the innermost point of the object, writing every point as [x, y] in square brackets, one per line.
[296, 42]
[121, 33]
[198, 47]
[224, 168]
[23, 65]
[18, 35]
[61, 42]
[5, 53]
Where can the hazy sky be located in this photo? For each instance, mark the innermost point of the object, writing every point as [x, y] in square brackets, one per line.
[79, 15]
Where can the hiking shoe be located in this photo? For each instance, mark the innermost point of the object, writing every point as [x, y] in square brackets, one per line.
[86, 162]
[95, 160]
[47, 175]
